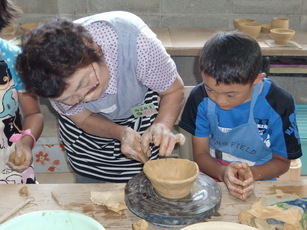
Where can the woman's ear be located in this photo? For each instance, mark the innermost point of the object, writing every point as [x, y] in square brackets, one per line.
[259, 78]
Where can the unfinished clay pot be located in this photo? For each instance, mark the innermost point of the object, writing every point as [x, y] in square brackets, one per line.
[236, 21]
[250, 28]
[171, 178]
[282, 36]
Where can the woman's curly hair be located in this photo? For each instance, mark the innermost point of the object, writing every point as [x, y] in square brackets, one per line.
[51, 53]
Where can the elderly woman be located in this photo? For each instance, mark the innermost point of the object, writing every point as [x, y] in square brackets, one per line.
[117, 91]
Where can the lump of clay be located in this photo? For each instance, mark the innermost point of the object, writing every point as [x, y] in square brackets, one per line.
[140, 225]
[17, 160]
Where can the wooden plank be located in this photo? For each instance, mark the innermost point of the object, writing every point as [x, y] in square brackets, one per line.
[189, 41]
[164, 36]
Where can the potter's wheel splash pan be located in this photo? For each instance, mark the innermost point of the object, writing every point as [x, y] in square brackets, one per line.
[203, 201]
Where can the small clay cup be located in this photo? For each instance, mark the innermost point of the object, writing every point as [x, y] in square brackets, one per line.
[282, 36]
[171, 178]
[251, 28]
[236, 21]
[280, 22]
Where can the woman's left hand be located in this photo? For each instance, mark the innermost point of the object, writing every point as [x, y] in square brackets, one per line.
[20, 149]
[162, 136]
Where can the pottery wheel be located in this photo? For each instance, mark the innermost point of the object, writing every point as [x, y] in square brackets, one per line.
[203, 201]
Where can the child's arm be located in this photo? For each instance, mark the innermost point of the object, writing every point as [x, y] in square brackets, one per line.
[236, 176]
[201, 154]
[33, 120]
[273, 168]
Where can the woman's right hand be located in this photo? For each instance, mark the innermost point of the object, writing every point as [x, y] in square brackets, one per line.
[131, 145]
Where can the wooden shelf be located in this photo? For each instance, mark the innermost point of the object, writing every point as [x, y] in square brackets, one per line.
[189, 41]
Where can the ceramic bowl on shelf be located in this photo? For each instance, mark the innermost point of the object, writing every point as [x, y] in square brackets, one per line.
[280, 22]
[171, 178]
[236, 21]
[265, 28]
[282, 36]
[251, 28]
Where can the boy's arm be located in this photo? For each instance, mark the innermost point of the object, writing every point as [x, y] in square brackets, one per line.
[273, 168]
[201, 154]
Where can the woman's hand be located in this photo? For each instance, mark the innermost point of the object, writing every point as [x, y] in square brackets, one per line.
[239, 180]
[162, 136]
[131, 145]
[21, 148]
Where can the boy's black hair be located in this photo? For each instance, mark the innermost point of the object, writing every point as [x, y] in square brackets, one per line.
[231, 57]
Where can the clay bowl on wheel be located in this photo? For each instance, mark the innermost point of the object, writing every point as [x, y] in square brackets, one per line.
[236, 21]
[250, 28]
[282, 36]
[171, 178]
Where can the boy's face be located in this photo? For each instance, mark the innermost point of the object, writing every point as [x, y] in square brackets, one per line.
[227, 96]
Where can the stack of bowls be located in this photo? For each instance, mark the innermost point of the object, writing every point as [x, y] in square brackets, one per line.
[280, 31]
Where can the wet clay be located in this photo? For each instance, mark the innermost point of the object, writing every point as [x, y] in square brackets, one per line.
[203, 201]
[17, 160]
[171, 178]
[140, 225]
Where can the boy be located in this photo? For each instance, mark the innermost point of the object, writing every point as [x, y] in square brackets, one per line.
[243, 126]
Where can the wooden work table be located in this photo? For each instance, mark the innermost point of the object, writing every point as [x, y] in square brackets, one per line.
[189, 41]
[76, 197]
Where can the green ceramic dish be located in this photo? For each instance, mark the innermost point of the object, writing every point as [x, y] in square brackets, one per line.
[51, 220]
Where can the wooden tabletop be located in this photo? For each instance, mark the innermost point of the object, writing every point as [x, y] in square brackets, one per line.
[76, 197]
[189, 41]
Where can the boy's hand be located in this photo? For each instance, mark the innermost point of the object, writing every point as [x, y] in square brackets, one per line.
[245, 174]
[239, 180]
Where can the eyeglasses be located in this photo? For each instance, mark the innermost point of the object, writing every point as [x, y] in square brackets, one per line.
[65, 108]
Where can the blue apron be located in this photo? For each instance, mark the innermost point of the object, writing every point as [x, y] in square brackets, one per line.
[242, 143]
